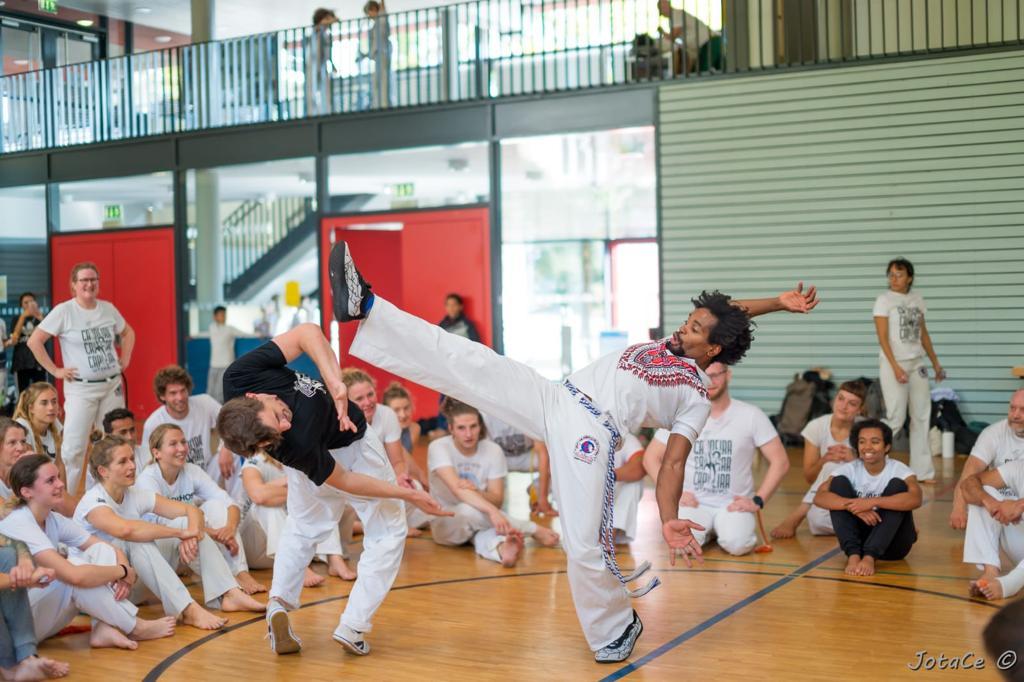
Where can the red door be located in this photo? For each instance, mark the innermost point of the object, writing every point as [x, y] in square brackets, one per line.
[415, 260]
[137, 275]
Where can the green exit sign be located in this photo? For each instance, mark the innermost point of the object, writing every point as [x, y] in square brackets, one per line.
[49, 6]
[403, 190]
[113, 212]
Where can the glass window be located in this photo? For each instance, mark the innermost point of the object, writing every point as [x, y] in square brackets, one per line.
[22, 49]
[409, 178]
[579, 257]
[24, 264]
[252, 236]
[108, 203]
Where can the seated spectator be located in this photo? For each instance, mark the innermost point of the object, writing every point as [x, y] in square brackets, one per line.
[266, 487]
[467, 476]
[871, 500]
[399, 400]
[13, 446]
[995, 504]
[95, 578]
[519, 451]
[177, 479]
[718, 484]
[37, 411]
[18, 657]
[826, 448]
[121, 423]
[362, 390]
[629, 488]
[114, 510]
[998, 444]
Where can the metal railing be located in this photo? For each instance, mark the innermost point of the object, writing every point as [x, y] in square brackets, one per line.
[250, 231]
[473, 50]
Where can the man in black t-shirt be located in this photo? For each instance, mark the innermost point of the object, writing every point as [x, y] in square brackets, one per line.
[332, 459]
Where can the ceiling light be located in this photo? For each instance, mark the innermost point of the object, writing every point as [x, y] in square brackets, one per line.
[162, 39]
[21, 62]
[143, 10]
[86, 23]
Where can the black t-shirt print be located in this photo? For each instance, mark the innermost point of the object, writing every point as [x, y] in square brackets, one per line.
[315, 431]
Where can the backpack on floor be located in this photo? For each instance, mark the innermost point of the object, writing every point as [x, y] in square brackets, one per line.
[795, 411]
[946, 415]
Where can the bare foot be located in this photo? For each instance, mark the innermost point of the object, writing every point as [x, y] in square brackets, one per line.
[249, 584]
[867, 565]
[988, 575]
[413, 533]
[852, 565]
[52, 668]
[990, 588]
[786, 529]
[237, 600]
[153, 629]
[312, 578]
[36, 668]
[338, 567]
[546, 536]
[509, 549]
[104, 635]
[198, 617]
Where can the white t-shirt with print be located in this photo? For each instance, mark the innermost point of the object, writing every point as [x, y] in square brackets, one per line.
[135, 505]
[720, 464]
[646, 385]
[818, 432]
[20, 524]
[47, 440]
[486, 465]
[86, 337]
[193, 486]
[998, 445]
[197, 425]
[1013, 476]
[267, 471]
[867, 485]
[905, 313]
[385, 423]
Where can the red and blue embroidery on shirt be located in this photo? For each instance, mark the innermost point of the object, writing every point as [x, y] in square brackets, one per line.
[657, 366]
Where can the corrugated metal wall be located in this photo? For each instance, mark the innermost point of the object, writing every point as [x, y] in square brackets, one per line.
[824, 176]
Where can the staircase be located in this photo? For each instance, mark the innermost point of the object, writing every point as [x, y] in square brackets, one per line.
[258, 237]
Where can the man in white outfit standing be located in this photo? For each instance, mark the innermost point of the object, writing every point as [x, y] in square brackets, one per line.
[660, 383]
[222, 351]
[88, 330]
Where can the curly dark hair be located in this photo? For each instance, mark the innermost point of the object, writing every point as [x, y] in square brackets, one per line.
[870, 424]
[733, 331]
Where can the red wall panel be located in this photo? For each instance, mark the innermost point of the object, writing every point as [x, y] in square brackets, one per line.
[435, 253]
[137, 275]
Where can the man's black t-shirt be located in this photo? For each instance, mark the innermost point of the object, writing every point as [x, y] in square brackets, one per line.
[315, 431]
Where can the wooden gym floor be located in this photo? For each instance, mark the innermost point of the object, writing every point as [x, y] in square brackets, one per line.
[787, 615]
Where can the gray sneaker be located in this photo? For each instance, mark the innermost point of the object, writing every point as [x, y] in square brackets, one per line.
[279, 629]
[622, 648]
[352, 640]
[348, 288]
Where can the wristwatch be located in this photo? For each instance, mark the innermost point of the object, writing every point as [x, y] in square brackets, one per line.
[758, 501]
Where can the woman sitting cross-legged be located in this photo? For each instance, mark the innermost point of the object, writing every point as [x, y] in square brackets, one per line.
[871, 500]
[266, 486]
[18, 659]
[95, 578]
[114, 508]
[467, 476]
[173, 477]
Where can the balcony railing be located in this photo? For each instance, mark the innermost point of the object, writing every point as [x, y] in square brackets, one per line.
[475, 50]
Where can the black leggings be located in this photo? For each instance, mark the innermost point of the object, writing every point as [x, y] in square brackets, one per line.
[25, 377]
[890, 540]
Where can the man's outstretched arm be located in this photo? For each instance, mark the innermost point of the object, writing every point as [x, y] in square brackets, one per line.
[307, 338]
[795, 301]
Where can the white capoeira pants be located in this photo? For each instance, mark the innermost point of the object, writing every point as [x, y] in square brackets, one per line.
[819, 521]
[57, 604]
[313, 514]
[210, 566]
[627, 507]
[156, 575]
[984, 538]
[736, 532]
[473, 373]
[261, 534]
[917, 394]
[469, 523]
[84, 407]
[216, 513]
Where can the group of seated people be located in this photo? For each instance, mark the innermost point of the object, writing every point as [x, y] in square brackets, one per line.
[145, 512]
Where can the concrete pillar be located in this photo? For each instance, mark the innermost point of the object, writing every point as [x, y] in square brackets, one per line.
[203, 26]
[209, 246]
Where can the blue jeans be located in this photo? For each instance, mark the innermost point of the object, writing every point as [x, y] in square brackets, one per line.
[17, 631]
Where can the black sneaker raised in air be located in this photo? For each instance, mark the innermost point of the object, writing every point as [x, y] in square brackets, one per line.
[622, 648]
[348, 288]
